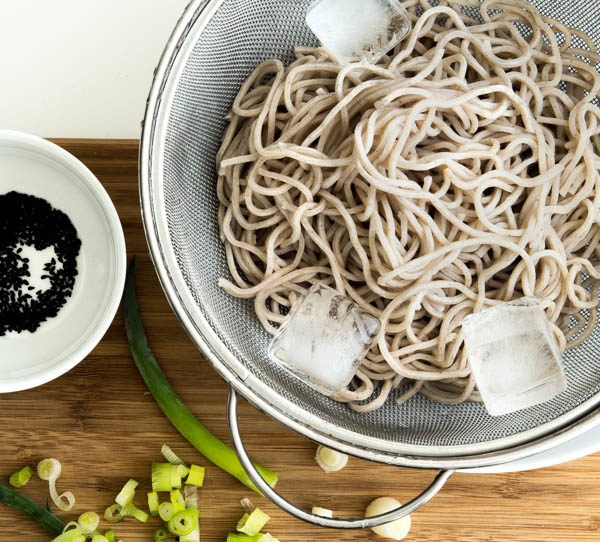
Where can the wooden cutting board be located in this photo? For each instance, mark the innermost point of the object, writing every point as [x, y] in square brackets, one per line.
[102, 424]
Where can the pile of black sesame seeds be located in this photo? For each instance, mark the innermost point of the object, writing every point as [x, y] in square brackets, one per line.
[27, 220]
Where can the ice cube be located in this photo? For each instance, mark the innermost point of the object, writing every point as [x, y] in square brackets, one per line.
[358, 30]
[323, 339]
[513, 355]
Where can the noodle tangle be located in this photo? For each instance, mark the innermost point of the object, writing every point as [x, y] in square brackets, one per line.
[459, 172]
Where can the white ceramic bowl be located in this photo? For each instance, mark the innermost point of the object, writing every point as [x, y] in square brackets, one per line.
[32, 165]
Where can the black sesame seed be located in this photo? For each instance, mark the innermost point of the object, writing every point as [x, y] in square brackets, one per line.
[27, 220]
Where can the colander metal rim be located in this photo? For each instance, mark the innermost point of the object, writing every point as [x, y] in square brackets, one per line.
[166, 77]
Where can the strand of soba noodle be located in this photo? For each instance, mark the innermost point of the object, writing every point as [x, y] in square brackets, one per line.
[460, 172]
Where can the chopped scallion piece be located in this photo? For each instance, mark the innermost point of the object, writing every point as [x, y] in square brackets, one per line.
[88, 522]
[183, 470]
[193, 536]
[73, 527]
[396, 530]
[162, 477]
[160, 535]
[166, 511]
[175, 477]
[50, 469]
[127, 494]
[196, 476]
[72, 532]
[252, 523]
[183, 522]
[153, 503]
[110, 536]
[114, 513]
[169, 402]
[130, 510]
[171, 456]
[323, 512]
[99, 538]
[260, 537]
[243, 520]
[20, 478]
[190, 494]
[330, 460]
[69, 536]
[247, 505]
[177, 500]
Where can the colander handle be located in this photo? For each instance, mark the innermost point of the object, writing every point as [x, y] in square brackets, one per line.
[293, 510]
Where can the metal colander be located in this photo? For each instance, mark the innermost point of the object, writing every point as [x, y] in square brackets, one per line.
[214, 47]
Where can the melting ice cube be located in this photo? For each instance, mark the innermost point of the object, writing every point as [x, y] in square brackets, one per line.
[323, 339]
[355, 30]
[513, 355]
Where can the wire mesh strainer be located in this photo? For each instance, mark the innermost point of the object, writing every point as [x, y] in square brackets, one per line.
[214, 47]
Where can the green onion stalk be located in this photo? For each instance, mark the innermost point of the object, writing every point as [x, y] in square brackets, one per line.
[20, 502]
[169, 402]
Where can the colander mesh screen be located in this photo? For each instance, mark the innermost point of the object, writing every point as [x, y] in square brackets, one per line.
[238, 36]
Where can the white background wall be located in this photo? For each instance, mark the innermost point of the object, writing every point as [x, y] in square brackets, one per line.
[80, 68]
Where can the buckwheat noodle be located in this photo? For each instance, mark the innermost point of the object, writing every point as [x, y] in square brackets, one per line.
[459, 172]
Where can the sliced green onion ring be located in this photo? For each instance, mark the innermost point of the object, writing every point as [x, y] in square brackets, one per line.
[330, 460]
[88, 522]
[160, 535]
[50, 470]
[113, 514]
[183, 522]
[21, 477]
[99, 538]
[166, 511]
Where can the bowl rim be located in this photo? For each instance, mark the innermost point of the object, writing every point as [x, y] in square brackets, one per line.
[159, 102]
[111, 303]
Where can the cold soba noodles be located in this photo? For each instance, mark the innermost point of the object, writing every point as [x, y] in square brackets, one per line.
[459, 172]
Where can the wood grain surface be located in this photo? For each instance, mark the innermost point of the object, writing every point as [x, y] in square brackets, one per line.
[99, 420]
